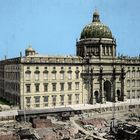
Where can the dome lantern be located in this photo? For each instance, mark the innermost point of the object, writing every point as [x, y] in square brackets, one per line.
[29, 51]
[96, 16]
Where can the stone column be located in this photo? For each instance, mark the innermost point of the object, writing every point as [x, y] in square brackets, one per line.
[85, 51]
[103, 93]
[94, 100]
[100, 53]
[113, 51]
[102, 97]
[91, 87]
[123, 96]
[114, 85]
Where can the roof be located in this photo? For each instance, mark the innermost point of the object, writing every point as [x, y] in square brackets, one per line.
[96, 29]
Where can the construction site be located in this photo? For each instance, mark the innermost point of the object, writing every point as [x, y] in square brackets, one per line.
[115, 121]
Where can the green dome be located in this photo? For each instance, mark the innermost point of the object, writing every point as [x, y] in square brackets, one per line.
[96, 29]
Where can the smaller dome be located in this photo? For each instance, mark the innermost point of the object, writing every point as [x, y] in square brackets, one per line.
[29, 48]
[29, 51]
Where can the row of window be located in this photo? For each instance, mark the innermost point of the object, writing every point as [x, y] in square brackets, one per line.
[133, 94]
[45, 68]
[133, 73]
[107, 50]
[12, 75]
[54, 85]
[13, 67]
[133, 83]
[53, 76]
[53, 100]
[12, 86]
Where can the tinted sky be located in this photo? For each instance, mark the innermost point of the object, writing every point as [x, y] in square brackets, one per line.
[52, 26]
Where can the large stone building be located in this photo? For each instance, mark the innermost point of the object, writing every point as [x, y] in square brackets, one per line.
[95, 75]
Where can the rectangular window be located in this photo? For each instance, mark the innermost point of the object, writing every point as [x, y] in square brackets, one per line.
[45, 87]
[46, 98]
[54, 100]
[138, 73]
[77, 98]
[70, 86]
[37, 105]
[62, 99]
[28, 100]
[28, 89]
[36, 76]
[138, 83]
[36, 87]
[77, 75]
[37, 99]
[62, 86]
[138, 93]
[61, 76]
[133, 83]
[53, 86]
[133, 93]
[54, 76]
[128, 94]
[69, 99]
[45, 76]
[77, 85]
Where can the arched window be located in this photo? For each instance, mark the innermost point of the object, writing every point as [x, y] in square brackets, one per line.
[28, 75]
[45, 75]
[62, 75]
[128, 73]
[128, 83]
[133, 73]
[54, 74]
[37, 75]
[77, 74]
[69, 74]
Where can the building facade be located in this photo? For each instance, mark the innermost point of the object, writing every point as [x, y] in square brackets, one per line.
[95, 75]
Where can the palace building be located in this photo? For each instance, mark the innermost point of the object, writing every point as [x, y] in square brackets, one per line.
[95, 75]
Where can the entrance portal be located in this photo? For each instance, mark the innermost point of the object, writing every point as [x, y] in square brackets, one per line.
[107, 89]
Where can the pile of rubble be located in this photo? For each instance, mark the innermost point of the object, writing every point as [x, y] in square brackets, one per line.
[44, 129]
[8, 135]
[97, 123]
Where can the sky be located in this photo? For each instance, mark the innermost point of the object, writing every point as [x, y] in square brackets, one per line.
[52, 26]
